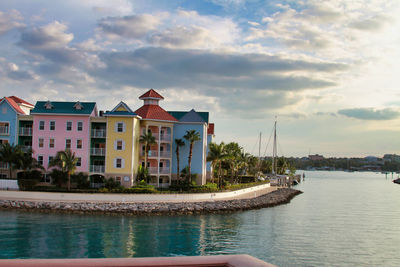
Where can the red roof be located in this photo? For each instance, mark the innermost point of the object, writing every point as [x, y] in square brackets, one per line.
[20, 101]
[210, 129]
[13, 104]
[154, 112]
[151, 94]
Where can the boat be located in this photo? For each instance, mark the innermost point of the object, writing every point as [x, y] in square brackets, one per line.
[396, 181]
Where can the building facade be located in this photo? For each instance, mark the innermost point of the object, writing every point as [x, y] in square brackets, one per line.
[107, 144]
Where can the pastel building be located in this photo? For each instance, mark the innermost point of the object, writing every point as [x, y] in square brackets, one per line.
[122, 144]
[13, 112]
[107, 143]
[160, 123]
[62, 125]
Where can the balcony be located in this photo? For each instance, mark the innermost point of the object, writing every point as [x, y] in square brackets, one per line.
[25, 131]
[165, 154]
[165, 137]
[161, 170]
[97, 168]
[94, 151]
[152, 153]
[25, 149]
[4, 130]
[3, 166]
[99, 133]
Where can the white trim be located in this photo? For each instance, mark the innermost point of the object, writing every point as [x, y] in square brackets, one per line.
[44, 125]
[50, 125]
[77, 143]
[116, 145]
[66, 126]
[65, 147]
[54, 142]
[77, 124]
[39, 142]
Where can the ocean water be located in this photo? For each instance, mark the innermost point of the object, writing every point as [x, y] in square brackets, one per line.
[341, 219]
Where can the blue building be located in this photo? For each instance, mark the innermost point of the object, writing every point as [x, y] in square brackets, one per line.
[188, 121]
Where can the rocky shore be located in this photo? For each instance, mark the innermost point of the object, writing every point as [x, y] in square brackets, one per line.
[278, 197]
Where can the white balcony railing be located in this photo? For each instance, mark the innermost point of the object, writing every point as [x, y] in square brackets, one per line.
[164, 170]
[25, 131]
[99, 133]
[165, 154]
[165, 137]
[3, 166]
[151, 153]
[97, 168]
[94, 151]
[161, 170]
[4, 130]
[25, 148]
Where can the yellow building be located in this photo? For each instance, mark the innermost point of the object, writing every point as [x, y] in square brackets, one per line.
[122, 144]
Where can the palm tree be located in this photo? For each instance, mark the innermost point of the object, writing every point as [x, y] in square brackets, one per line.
[26, 162]
[233, 151]
[66, 161]
[9, 154]
[147, 139]
[216, 154]
[191, 136]
[178, 142]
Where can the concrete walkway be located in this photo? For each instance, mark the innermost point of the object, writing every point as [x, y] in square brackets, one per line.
[136, 198]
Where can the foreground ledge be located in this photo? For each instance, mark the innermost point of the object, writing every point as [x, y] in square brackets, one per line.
[277, 197]
[227, 260]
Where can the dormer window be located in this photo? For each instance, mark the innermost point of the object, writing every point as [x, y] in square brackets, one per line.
[48, 105]
[78, 106]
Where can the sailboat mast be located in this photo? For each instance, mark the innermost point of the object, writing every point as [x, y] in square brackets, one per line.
[274, 153]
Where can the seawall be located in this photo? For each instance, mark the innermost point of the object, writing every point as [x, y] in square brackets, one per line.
[277, 197]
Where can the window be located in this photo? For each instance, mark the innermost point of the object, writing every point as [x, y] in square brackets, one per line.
[69, 126]
[50, 158]
[4, 128]
[51, 143]
[118, 163]
[41, 142]
[79, 143]
[41, 125]
[40, 160]
[119, 145]
[79, 127]
[67, 143]
[52, 125]
[120, 127]
[161, 164]
[79, 162]
[4, 110]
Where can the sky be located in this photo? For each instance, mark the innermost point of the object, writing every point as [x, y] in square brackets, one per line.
[329, 71]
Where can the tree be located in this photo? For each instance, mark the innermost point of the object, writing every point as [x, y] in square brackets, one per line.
[9, 154]
[178, 142]
[147, 139]
[66, 161]
[191, 136]
[25, 162]
[233, 157]
[216, 154]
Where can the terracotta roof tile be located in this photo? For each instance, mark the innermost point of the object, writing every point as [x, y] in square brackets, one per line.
[151, 93]
[20, 101]
[154, 112]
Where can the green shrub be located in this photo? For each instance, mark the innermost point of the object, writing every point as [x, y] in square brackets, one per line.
[148, 189]
[111, 184]
[207, 188]
[26, 184]
[58, 177]
[103, 190]
[81, 180]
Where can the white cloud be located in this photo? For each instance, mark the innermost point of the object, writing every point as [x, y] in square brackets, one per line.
[10, 20]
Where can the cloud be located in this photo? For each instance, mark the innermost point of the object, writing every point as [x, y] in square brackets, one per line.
[163, 68]
[371, 24]
[134, 26]
[10, 20]
[371, 113]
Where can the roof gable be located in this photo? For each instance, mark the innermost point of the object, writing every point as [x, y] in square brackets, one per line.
[20, 101]
[192, 116]
[151, 94]
[12, 104]
[179, 114]
[58, 107]
[121, 109]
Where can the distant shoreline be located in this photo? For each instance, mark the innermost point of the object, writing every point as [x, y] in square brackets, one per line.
[277, 197]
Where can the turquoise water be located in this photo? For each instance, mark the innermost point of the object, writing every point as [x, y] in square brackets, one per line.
[342, 219]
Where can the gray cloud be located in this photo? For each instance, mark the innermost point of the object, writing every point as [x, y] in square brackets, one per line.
[371, 24]
[371, 113]
[163, 68]
[20, 75]
[9, 21]
[135, 26]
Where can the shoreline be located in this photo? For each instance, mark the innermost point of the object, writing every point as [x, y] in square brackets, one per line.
[271, 199]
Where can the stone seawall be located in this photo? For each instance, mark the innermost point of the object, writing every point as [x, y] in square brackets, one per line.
[278, 197]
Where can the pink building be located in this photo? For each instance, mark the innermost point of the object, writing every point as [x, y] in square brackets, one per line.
[62, 125]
